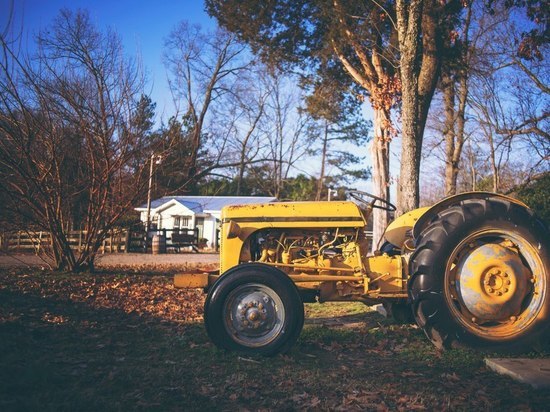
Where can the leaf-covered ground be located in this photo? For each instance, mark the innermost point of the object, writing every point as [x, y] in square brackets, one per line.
[127, 341]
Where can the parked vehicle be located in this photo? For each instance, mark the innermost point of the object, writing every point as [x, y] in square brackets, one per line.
[474, 270]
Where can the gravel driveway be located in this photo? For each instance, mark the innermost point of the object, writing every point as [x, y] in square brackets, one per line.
[122, 259]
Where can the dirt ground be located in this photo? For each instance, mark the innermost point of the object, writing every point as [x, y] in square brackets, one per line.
[118, 260]
[122, 341]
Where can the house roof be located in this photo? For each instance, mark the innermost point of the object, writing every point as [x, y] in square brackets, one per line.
[199, 204]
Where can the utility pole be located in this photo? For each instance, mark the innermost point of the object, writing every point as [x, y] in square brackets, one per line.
[148, 217]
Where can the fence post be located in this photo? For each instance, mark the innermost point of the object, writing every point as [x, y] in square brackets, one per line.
[145, 241]
[39, 243]
[127, 241]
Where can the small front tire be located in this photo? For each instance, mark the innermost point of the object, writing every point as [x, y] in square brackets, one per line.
[254, 309]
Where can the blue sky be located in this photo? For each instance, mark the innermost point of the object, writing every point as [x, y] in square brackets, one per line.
[142, 25]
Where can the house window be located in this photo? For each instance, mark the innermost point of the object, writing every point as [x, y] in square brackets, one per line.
[181, 222]
[155, 222]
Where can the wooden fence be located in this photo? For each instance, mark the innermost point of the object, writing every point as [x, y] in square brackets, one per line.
[116, 241]
[122, 240]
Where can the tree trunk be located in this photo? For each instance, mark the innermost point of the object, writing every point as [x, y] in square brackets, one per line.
[474, 175]
[455, 121]
[240, 178]
[323, 162]
[494, 165]
[408, 185]
[451, 168]
[380, 152]
[460, 137]
[420, 60]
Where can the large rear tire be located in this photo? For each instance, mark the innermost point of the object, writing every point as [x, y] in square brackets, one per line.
[480, 276]
[255, 309]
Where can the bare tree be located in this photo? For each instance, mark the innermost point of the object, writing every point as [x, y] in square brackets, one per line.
[339, 127]
[239, 122]
[285, 130]
[64, 149]
[493, 104]
[510, 104]
[203, 68]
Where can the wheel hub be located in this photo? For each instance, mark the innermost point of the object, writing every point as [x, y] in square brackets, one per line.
[254, 315]
[492, 282]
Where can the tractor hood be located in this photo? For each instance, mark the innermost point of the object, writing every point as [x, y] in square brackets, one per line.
[313, 214]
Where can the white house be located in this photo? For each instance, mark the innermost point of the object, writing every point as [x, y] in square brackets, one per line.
[190, 212]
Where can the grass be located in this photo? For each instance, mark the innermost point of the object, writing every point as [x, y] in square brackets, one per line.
[119, 342]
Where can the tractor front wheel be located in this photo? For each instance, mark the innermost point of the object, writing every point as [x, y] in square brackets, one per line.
[480, 276]
[255, 309]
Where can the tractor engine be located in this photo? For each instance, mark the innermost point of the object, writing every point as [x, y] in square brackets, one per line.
[323, 252]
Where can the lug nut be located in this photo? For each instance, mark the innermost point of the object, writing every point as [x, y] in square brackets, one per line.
[505, 275]
[507, 281]
[490, 290]
[505, 290]
[499, 293]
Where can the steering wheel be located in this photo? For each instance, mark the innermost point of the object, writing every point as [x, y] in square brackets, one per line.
[363, 198]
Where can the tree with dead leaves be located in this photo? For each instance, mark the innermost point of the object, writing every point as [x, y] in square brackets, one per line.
[66, 146]
[355, 40]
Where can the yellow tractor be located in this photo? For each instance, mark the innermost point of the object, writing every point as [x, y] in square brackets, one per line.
[472, 270]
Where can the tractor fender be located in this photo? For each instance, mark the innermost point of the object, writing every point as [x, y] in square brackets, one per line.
[400, 229]
[431, 212]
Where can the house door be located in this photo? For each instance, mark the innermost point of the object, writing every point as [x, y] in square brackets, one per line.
[199, 224]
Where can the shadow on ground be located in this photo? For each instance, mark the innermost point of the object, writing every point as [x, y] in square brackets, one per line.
[110, 342]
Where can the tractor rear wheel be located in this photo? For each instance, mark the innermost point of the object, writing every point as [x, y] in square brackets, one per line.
[255, 309]
[480, 276]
